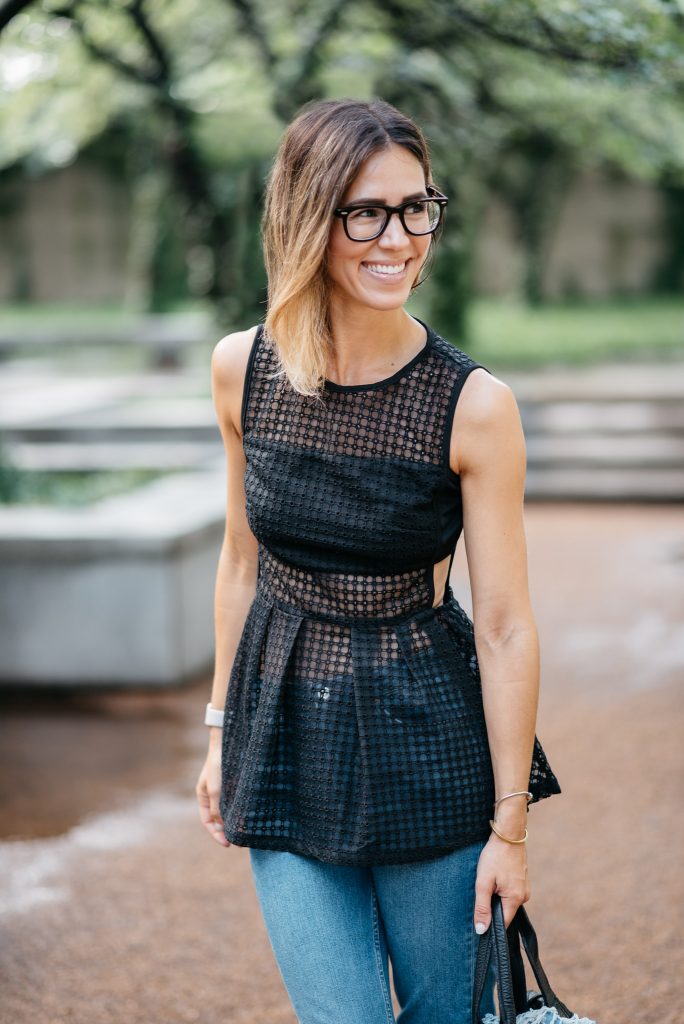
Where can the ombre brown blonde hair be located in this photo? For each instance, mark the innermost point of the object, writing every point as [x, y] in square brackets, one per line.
[319, 157]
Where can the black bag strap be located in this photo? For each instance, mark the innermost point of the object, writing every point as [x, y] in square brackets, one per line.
[504, 945]
[497, 942]
[481, 964]
[517, 966]
[529, 940]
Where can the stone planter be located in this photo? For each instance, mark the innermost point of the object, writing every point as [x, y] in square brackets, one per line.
[118, 593]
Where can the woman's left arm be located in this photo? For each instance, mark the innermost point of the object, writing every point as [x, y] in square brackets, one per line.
[488, 452]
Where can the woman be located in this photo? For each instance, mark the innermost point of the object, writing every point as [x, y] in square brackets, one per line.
[369, 724]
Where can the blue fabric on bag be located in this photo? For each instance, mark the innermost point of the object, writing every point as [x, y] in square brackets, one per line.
[544, 1015]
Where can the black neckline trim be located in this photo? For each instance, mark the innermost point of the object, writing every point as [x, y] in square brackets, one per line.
[333, 386]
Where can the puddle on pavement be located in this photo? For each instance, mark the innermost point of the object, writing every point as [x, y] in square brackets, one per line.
[68, 755]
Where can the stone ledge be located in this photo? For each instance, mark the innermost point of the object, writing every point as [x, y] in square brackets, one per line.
[118, 593]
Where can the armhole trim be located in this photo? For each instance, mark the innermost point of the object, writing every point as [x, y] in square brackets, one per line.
[246, 387]
[451, 410]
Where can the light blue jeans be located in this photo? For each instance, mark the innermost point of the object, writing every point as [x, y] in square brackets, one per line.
[332, 928]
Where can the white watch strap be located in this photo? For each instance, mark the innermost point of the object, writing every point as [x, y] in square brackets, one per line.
[213, 716]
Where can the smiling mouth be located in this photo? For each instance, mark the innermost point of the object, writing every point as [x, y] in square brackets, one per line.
[389, 271]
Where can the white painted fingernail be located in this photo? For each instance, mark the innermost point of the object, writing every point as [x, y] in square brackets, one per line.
[480, 928]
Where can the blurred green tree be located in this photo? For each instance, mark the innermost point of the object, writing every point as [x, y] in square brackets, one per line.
[513, 97]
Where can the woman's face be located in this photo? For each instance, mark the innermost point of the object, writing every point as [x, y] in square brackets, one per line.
[391, 176]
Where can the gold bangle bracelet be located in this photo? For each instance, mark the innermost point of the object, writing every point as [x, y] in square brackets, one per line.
[518, 792]
[505, 838]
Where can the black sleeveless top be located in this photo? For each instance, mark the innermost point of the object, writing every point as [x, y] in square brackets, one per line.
[354, 729]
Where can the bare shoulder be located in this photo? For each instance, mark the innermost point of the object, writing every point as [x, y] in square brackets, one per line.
[485, 400]
[486, 421]
[228, 370]
[230, 355]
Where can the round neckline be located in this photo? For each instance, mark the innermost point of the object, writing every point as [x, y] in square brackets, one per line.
[333, 386]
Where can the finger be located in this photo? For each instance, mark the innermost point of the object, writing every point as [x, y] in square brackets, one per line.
[509, 905]
[212, 821]
[217, 833]
[216, 817]
[203, 805]
[483, 904]
[215, 828]
[214, 808]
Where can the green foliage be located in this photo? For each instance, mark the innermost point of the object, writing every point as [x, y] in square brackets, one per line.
[669, 276]
[10, 476]
[24, 487]
[199, 94]
[507, 334]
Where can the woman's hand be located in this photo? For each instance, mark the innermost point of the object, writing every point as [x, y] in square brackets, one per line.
[208, 789]
[502, 868]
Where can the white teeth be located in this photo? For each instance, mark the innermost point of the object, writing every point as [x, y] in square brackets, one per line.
[379, 268]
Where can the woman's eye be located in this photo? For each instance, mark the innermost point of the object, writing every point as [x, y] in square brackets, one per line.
[415, 208]
[369, 211]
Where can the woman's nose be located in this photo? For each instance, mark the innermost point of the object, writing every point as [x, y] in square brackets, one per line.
[395, 233]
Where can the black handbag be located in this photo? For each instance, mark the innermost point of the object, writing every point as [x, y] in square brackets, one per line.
[504, 945]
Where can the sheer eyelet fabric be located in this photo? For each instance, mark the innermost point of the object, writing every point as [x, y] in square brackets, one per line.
[354, 727]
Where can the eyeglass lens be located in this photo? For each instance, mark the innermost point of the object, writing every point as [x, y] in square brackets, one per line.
[420, 218]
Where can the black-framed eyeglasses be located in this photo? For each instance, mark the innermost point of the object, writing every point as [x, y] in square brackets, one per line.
[363, 223]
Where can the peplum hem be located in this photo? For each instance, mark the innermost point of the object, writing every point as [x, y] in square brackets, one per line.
[388, 762]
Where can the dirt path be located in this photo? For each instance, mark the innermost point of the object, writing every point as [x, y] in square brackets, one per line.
[121, 909]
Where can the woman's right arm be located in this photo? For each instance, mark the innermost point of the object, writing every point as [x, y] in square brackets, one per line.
[238, 561]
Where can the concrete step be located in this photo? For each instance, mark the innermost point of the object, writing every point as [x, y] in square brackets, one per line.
[613, 432]
[605, 484]
[633, 450]
[44, 395]
[166, 336]
[171, 419]
[584, 417]
[102, 455]
[608, 382]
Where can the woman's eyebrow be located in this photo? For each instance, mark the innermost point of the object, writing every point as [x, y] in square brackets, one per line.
[371, 199]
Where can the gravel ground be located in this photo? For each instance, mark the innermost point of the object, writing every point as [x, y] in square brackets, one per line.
[115, 906]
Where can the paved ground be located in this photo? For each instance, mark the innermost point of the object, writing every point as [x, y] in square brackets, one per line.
[119, 908]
